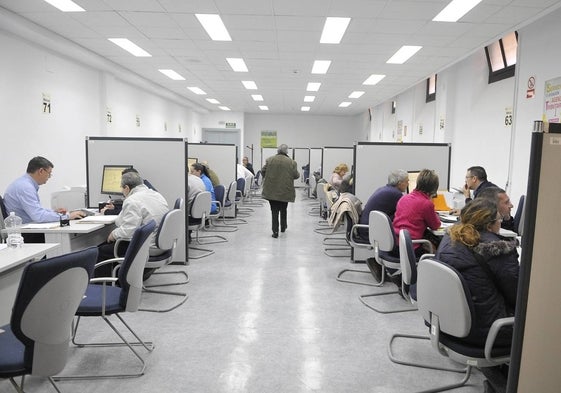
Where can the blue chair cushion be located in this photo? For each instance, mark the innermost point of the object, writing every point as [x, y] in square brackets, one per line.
[460, 345]
[413, 291]
[12, 362]
[91, 304]
[160, 257]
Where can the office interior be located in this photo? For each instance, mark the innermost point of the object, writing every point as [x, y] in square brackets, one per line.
[468, 113]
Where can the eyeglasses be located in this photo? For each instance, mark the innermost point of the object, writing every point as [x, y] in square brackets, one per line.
[49, 172]
[469, 177]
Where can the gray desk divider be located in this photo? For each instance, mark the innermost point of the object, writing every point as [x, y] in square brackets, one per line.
[221, 158]
[162, 161]
[374, 161]
[333, 156]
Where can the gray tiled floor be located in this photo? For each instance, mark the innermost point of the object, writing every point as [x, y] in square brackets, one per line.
[266, 315]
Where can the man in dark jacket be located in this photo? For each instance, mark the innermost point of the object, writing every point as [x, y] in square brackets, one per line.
[279, 173]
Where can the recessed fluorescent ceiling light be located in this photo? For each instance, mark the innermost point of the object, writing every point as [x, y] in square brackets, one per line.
[309, 98]
[313, 86]
[344, 104]
[373, 79]
[403, 54]
[224, 108]
[214, 26]
[321, 66]
[130, 47]
[455, 10]
[249, 85]
[172, 75]
[305, 109]
[237, 64]
[356, 94]
[197, 90]
[257, 97]
[333, 30]
[65, 5]
[264, 107]
[213, 100]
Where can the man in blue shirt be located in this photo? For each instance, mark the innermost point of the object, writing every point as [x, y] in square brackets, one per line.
[22, 197]
[385, 198]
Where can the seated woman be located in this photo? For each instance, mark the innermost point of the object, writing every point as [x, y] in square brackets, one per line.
[415, 211]
[338, 175]
[488, 263]
[201, 171]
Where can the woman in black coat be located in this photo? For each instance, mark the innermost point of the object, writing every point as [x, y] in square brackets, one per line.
[468, 245]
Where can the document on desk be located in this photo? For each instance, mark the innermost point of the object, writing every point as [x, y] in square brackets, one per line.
[41, 225]
[3, 246]
[97, 220]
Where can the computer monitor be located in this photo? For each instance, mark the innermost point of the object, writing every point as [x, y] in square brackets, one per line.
[191, 161]
[412, 180]
[111, 180]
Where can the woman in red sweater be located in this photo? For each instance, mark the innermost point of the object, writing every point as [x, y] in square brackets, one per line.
[415, 211]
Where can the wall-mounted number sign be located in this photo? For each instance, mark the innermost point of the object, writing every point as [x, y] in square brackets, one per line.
[46, 103]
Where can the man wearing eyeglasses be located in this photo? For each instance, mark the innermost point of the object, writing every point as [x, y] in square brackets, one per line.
[476, 180]
[22, 196]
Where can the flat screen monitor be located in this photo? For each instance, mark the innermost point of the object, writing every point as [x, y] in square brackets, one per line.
[191, 161]
[111, 180]
[412, 180]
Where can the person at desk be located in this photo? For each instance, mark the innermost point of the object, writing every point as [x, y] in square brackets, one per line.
[476, 180]
[139, 207]
[22, 198]
[385, 198]
[200, 171]
[338, 175]
[415, 211]
[488, 263]
[500, 197]
[248, 165]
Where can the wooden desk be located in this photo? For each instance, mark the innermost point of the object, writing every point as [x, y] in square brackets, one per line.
[12, 261]
[74, 237]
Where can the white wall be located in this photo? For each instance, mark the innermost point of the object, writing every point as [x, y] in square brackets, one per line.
[80, 96]
[304, 130]
[473, 113]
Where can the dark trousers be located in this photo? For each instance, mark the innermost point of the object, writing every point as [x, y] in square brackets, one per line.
[106, 251]
[278, 207]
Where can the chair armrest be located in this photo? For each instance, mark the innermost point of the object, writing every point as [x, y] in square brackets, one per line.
[425, 256]
[424, 241]
[354, 231]
[116, 246]
[98, 280]
[492, 335]
[105, 262]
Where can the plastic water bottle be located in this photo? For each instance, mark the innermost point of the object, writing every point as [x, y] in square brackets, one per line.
[13, 228]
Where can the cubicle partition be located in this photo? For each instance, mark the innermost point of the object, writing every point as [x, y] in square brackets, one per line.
[333, 156]
[374, 161]
[221, 158]
[162, 161]
[302, 156]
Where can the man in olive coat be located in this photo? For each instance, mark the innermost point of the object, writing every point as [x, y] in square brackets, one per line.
[279, 173]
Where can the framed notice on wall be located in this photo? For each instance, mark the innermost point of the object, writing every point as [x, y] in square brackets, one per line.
[552, 100]
[268, 139]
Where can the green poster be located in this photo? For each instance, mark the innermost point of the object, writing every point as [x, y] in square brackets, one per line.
[268, 139]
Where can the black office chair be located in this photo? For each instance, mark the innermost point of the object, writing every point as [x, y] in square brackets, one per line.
[106, 300]
[519, 216]
[3, 209]
[37, 338]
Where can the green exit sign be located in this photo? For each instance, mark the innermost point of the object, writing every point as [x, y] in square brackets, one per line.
[230, 125]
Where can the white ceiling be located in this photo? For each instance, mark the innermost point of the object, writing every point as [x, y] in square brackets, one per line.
[279, 41]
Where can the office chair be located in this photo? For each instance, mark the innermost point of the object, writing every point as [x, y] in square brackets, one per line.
[230, 208]
[446, 304]
[170, 230]
[519, 216]
[106, 300]
[200, 209]
[37, 339]
[382, 238]
[3, 209]
[221, 203]
[408, 262]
